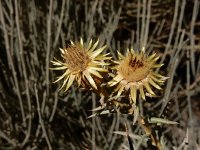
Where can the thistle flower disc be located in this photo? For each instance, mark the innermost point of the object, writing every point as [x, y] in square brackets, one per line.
[135, 71]
[81, 64]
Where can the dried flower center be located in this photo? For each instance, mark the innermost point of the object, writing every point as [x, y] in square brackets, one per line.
[134, 68]
[76, 58]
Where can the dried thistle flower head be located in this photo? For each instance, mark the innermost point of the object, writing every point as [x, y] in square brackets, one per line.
[82, 64]
[135, 71]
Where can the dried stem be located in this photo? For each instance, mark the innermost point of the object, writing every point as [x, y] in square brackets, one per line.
[41, 120]
[148, 131]
[11, 64]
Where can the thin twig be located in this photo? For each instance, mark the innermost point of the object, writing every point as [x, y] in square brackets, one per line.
[93, 122]
[24, 73]
[54, 107]
[192, 35]
[48, 46]
[171, 31]
[146, 33]
[11, 64]
[59, 24]
[40, 118]
[115, 135]
[191, 120]
[9, 140]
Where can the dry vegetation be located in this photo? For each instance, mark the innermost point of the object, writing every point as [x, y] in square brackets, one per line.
[35, 115]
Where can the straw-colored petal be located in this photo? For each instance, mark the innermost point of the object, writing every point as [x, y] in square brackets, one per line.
[79, 80]
[62, 51]
[133, 91]
[154, 84]
[62, 76]
[102, 57]
[55, 63]
[72, 43]
[157, 65]
[93, 47]
[90, 79]
[70, 81]
[143, 49]
[121, 89]
[141, 88]
[118, 78]
[99, 63]
[132, 51]
[112, 83]
[151, 57]
[89, 45]
[64, 82]
[94, 72]
[147, 86]
[81, 42]
[156, 58]
[120, 55]
[127, 52]
[158, 75]
[97, 52]
[156, 79]
[99, 69]
[59, 68]
[58, 63]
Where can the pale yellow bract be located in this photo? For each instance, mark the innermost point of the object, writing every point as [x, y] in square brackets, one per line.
[135, 72]
[81, 64]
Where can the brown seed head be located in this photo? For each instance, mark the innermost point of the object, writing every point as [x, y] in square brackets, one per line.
[76, 58]
[134, 68]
